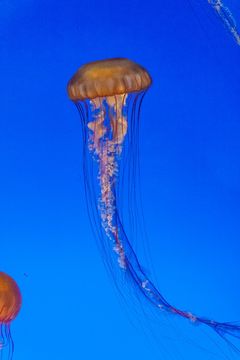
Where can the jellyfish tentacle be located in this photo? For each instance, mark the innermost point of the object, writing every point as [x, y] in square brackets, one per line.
[227, 18]
[6, 341]
[105, 142]
[154, 296]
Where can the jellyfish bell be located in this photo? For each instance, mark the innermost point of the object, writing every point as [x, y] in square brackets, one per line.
[10, 298]
[10, 305]
[108, 78]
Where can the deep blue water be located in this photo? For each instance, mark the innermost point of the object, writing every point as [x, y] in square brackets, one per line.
[190, 165]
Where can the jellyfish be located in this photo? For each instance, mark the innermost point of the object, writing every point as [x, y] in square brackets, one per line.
[108, 95]
[10, 304]
[227, 18]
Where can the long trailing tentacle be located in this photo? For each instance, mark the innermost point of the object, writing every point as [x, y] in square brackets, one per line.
[105, 129]
[227, 18]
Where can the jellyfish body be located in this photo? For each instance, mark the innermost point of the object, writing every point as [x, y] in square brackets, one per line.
[108, 95]
[10, 304]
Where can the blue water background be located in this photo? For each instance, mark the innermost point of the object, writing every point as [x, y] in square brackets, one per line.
[190, 165]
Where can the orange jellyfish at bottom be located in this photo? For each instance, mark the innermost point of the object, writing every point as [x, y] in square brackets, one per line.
[10, 304]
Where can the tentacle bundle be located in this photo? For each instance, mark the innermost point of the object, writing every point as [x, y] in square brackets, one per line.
[107, 132]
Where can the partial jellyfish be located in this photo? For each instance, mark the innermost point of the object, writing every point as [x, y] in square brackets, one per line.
[10, 304]
[108, 95]
[227, 18]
